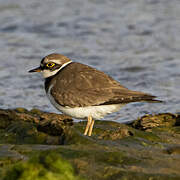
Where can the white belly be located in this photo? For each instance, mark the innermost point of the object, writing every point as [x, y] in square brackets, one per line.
[97, 112]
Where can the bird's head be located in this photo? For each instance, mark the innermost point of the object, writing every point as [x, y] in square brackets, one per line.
[51, 64]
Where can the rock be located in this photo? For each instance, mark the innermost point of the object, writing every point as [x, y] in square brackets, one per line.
[173, 150]
[114, 134]
[148, 122]
[36, 127]
[41, 145]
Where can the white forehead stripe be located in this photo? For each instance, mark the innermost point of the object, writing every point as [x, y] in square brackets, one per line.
[57, 61]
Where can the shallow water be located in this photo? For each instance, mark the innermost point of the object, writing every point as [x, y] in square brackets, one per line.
[136, 42]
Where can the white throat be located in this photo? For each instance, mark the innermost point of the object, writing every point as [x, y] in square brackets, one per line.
[47, 73]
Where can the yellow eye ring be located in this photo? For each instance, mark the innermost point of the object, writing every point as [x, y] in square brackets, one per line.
[50, 65]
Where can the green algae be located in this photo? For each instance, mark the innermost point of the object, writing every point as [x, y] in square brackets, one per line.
[147, 136]
[43, 166]
[115, 158]
[92, 162]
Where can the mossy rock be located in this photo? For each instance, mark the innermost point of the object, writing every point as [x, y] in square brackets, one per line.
[114, 151]
[149, 122]
[43, 166]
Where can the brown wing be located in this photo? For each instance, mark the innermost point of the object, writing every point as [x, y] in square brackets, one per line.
[79, 85]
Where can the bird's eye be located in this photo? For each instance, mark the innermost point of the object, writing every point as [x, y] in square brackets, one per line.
[50, 65]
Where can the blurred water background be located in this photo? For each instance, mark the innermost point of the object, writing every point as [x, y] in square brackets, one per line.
[136, 42]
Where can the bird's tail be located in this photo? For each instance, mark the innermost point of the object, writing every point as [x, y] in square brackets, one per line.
[154, 101]
[149, 98]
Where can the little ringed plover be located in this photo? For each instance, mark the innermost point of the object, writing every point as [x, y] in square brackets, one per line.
[82, 92]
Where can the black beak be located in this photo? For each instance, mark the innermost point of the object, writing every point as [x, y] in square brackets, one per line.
[38, 69]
